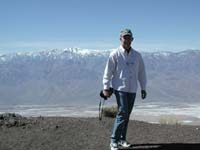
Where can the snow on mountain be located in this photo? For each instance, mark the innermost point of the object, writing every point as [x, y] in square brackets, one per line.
[57, 54]
[78, 52]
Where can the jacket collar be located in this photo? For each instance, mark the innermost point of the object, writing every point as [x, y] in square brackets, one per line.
[124, 51]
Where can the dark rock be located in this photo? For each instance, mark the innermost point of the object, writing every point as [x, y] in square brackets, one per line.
[12, 119]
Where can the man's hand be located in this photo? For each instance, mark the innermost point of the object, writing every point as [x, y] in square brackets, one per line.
[143, 94]
[107, 93]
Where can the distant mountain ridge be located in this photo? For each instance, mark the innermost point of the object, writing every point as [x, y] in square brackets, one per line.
[74, 76]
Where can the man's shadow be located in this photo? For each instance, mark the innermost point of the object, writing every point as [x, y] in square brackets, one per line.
[168, 146]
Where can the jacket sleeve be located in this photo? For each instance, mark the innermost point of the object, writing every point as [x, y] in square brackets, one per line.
[108, 72]
[142, 74]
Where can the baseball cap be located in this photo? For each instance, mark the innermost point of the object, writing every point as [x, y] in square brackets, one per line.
[126, 32]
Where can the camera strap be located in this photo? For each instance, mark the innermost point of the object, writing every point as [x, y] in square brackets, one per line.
[101, 106]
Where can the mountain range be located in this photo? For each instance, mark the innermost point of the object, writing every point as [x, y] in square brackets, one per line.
[73, 76]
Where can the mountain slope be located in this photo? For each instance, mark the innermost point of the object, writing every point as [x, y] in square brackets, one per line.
[73, 76]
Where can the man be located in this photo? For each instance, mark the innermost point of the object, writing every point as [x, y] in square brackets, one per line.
[124, 68]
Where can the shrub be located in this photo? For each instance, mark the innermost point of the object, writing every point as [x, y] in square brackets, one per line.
[170, 119]
[110, 111]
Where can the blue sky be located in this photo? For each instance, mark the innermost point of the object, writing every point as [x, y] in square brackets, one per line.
[157, 25]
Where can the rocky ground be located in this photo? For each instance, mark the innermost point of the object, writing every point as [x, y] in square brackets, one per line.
[65, 133]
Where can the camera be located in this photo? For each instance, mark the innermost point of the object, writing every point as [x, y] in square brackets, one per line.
[103, 96]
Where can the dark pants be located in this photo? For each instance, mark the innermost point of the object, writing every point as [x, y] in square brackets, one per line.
[125, 102]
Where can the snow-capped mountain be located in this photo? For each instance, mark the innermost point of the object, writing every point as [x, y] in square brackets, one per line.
[73, 76]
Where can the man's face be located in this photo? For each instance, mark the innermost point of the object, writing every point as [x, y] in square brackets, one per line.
[126, 41]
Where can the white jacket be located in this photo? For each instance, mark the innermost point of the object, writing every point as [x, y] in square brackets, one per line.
[123, 70]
